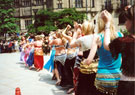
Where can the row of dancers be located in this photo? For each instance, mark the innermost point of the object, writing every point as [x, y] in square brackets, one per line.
[88, 62]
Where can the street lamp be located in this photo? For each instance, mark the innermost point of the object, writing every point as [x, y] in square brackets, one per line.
[35, 13]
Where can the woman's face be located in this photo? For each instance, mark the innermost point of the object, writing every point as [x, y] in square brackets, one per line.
[128, 24]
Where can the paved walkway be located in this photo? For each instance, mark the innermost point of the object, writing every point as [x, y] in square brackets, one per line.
[14, 74]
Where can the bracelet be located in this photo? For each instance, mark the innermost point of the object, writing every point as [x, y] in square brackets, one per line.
[107, 26]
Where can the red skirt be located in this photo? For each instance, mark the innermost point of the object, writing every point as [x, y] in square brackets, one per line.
[38, 60]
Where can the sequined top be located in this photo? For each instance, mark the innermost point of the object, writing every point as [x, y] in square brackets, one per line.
[125, 46]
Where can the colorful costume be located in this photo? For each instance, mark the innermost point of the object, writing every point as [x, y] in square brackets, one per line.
[108, 73]
[50, 63]
[38, 57]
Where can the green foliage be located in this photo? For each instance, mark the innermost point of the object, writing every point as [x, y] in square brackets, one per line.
[31, 28]
[47, 21]
[7, 20]
[46, 29]
[67, 16]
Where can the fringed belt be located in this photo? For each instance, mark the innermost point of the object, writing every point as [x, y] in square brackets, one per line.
[88, 69]
[71, 56]
[61, 58]
[107, 83]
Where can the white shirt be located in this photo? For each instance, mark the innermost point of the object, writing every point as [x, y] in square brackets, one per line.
[85, 42]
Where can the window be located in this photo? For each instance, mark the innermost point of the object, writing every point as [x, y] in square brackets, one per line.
[26, 11]
[92, 3]
[39, 2]
[26, 3]
[78, 3]
[49, 4]
[123, 3]
[59, 4]
[107, 4]
[27, 22]
[16, 3]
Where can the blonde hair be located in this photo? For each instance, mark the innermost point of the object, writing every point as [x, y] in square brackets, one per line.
[101, 27]
[88, 27]
[38, 37]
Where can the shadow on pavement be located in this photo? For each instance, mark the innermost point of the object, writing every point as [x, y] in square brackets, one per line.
[61, 91]
[20, 62]
[22, 65]
[46, 78]
[58, 92]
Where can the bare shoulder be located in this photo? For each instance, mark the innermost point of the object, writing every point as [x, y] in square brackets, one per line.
[97, 39]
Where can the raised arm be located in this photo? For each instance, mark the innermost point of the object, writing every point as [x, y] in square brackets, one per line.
[69, 38]
[75, 36]
[106, 18]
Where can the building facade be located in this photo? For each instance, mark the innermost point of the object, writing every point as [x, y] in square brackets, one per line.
[26, 9]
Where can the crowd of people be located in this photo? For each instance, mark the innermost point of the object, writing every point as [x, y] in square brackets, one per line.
[85, 61]
[9, 46]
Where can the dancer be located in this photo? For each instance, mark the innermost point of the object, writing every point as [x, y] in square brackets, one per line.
[108, 73]
[67, 80]
[38, 53]
[60, 55]
[85, 82]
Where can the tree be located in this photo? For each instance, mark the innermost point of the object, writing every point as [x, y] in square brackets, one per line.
[67, 16]
[7, 20]
[47, 20]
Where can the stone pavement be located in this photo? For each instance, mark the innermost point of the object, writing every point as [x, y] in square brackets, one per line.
[14, 74]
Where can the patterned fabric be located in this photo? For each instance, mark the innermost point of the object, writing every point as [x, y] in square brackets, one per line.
[126, 46]
[88, 69]
[61, 58]
[38, 51]
[107, 82]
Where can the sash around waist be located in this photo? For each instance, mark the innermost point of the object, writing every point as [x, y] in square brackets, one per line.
[38, 52]
[61, 58]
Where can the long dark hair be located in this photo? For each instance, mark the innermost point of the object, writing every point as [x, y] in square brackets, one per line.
[130, 14]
